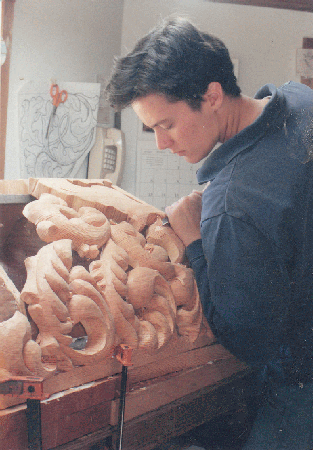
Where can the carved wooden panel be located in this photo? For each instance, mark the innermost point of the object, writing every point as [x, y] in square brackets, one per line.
[101, 270]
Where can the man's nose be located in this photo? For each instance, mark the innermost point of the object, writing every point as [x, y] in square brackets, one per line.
[163, 141]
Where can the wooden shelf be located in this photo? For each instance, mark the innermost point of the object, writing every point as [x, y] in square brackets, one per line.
[298, 5]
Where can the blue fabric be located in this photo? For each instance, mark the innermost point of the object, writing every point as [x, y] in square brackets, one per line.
[254, 264]
[285, 420]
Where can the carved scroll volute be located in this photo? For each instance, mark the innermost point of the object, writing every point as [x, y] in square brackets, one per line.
[88, 308]
[166, 238]
[14, 333]
[19, 354]
[154, 303]
[110, 275]
[47, 294]
[139, 252]
[87, 228]
[189, 313]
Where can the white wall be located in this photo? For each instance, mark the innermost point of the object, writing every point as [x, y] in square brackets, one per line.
[74, 40]
[264, 40]
[68, 40]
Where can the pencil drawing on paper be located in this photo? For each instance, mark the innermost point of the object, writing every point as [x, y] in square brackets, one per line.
[60, 150]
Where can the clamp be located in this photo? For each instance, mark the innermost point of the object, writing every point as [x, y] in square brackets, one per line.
[123, 354]
[31, 389]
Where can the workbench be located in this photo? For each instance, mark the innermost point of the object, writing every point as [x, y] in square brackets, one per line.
[169, 392]
[156, 410]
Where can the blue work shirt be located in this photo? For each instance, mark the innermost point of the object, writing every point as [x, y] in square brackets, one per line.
[254, 263]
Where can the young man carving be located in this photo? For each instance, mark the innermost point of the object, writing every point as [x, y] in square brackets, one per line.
[249, 234]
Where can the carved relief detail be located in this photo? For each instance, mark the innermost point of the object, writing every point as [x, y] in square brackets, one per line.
[135, 291]
[88, 228]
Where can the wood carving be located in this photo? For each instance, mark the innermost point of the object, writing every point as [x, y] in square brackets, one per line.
[107, 273]
[165, 237]
[87, 228]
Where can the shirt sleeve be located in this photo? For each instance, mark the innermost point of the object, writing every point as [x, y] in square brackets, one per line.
[244, 288]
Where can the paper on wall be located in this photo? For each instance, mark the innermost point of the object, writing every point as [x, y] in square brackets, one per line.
[71, 135]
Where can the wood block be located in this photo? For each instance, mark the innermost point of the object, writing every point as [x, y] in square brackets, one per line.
[76, 412]
[145, 397]
[13, 425]
[14, 187]
[64, 417]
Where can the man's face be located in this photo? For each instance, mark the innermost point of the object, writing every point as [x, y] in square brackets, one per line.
[186, 132]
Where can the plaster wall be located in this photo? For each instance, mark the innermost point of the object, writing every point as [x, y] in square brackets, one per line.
[72, 40]
[264, 40]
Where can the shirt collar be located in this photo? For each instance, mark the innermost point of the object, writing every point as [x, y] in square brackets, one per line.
[273, 116]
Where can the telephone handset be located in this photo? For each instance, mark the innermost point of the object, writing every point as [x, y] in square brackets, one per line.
[106, 158]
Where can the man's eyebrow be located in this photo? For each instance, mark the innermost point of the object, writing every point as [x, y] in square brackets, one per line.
[159, 123]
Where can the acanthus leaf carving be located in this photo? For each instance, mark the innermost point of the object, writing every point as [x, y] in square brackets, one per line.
[135, 291]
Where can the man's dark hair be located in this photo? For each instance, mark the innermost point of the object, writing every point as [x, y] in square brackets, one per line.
[176, 60]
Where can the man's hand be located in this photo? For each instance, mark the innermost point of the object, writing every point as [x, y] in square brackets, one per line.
[184, 217]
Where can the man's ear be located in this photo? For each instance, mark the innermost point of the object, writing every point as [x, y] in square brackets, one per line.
[214, 95]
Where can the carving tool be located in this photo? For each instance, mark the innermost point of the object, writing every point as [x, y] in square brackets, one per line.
[123, 354]
[165, 221]
[57, 98]
[31, 389]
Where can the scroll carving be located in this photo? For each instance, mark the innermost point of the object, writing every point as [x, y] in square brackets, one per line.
[87, 228]
[130, 285]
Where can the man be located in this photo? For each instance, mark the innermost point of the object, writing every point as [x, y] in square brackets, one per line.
[249, 234]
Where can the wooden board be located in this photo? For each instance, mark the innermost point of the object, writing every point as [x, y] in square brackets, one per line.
[299, 5]
[75, 413]
[173, 357]
[145, 397]
[65, 416]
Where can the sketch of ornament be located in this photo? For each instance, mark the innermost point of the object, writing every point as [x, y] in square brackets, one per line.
[61, 151]
[88, 228]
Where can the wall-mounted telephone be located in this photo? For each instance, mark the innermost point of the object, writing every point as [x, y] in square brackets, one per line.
[107, 156]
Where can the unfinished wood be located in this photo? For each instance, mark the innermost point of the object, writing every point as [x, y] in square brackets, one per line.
[167, 238]
[14, 187]
[88, 228]
[65, 416]
[156, 427]
[77, 412]
[174, 363]
[10, 301]
[170, 359]
[81, 415]
[148, 397]
[117, 205]
[122, 297]
[299, 5]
